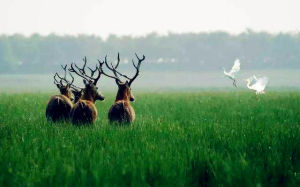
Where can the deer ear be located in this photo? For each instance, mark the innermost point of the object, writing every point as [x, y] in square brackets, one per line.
[58, 86]
[127, 83]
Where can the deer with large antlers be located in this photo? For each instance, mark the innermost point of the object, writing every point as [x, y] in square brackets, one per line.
[59, 106]
[84, 110]
[121, 111]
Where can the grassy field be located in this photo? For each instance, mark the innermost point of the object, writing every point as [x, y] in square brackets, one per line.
[178, 139]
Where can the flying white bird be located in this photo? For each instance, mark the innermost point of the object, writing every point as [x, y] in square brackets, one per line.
[235, 68]
[257, 84]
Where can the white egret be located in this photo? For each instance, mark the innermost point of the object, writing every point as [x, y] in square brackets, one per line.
[235, 68]
[257, 84]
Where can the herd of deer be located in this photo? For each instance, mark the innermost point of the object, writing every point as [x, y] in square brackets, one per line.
[78, 104]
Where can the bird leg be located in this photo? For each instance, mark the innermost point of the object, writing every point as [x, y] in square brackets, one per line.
[234, 83]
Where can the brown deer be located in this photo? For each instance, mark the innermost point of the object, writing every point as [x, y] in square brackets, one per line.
[121, 111]
[84, 110]
[59, 106]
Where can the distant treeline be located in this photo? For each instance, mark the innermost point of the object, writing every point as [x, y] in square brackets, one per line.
[191, 51]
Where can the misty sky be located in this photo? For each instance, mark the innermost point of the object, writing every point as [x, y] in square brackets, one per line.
[139, 17]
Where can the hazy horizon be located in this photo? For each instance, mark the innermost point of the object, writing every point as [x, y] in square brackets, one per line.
[139, 18]
[202, 37]
[104, 38]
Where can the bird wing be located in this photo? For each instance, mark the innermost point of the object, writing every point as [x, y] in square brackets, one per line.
[253, 80]
[236, 67]
[254, 77]
[261, 83]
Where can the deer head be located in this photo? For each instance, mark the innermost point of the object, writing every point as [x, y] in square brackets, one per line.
[90, 92]
[78, 93]
[124, 91]
[63, 84]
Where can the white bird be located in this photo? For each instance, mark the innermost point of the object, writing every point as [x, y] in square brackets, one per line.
[257, 84]
[235, 68]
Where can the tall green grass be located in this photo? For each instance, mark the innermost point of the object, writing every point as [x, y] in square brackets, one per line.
[178, 139]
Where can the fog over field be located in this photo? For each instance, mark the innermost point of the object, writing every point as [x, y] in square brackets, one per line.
[160, 81]
[173, 61]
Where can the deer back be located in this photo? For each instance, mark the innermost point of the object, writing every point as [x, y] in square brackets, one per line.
[122, 112]
[84, 112]
[59, 108]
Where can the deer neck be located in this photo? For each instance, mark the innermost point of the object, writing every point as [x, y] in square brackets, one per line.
[122, 96]
[65, 94]
[88, 97]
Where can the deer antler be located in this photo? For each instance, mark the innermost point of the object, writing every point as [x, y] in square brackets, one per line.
[117, 73]
[56, 81]
[137, 67]
[81, 72]
[114, 69]
[73, 86]
[63, 78]
[117, 79]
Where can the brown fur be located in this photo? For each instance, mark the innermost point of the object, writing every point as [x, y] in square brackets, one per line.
[121, 111]
[59, 108]
[85, 111]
